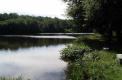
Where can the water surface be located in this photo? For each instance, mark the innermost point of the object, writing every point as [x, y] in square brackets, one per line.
[32, 57]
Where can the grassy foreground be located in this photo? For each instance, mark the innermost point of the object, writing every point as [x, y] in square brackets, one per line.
[88, 61]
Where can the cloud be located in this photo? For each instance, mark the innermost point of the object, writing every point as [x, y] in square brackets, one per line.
[51, 8]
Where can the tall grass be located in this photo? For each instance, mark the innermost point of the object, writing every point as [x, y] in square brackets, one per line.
[85, 63]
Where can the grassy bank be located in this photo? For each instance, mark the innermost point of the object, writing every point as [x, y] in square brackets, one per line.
[88, 61]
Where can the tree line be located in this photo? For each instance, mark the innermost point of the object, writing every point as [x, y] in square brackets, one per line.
[13, 23]
[102, 16]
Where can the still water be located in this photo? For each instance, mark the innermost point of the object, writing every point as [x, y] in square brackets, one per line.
[35, 58]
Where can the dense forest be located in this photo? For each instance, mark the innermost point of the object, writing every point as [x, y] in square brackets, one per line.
[95, 57]
[13, 23]
[102, 16]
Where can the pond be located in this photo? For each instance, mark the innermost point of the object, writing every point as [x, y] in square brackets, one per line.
[33, 57]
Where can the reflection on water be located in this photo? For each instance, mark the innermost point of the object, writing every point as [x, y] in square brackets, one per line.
[14, 43]
[42, 36]
[34, 58]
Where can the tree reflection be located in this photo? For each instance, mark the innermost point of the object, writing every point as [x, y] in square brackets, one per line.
[14, 43]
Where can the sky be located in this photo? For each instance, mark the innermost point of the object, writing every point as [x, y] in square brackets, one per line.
[50, 8]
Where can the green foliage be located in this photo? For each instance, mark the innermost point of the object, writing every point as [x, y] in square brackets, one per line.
[22, 24]
[90, 7]
[76, 11]
[103, 16]
[72, 53]
[93, 65]
[74, 72]
[100, 65]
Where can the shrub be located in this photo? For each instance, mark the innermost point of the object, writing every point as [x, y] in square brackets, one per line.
[91, 65]
[72, 53]
[100, 65]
